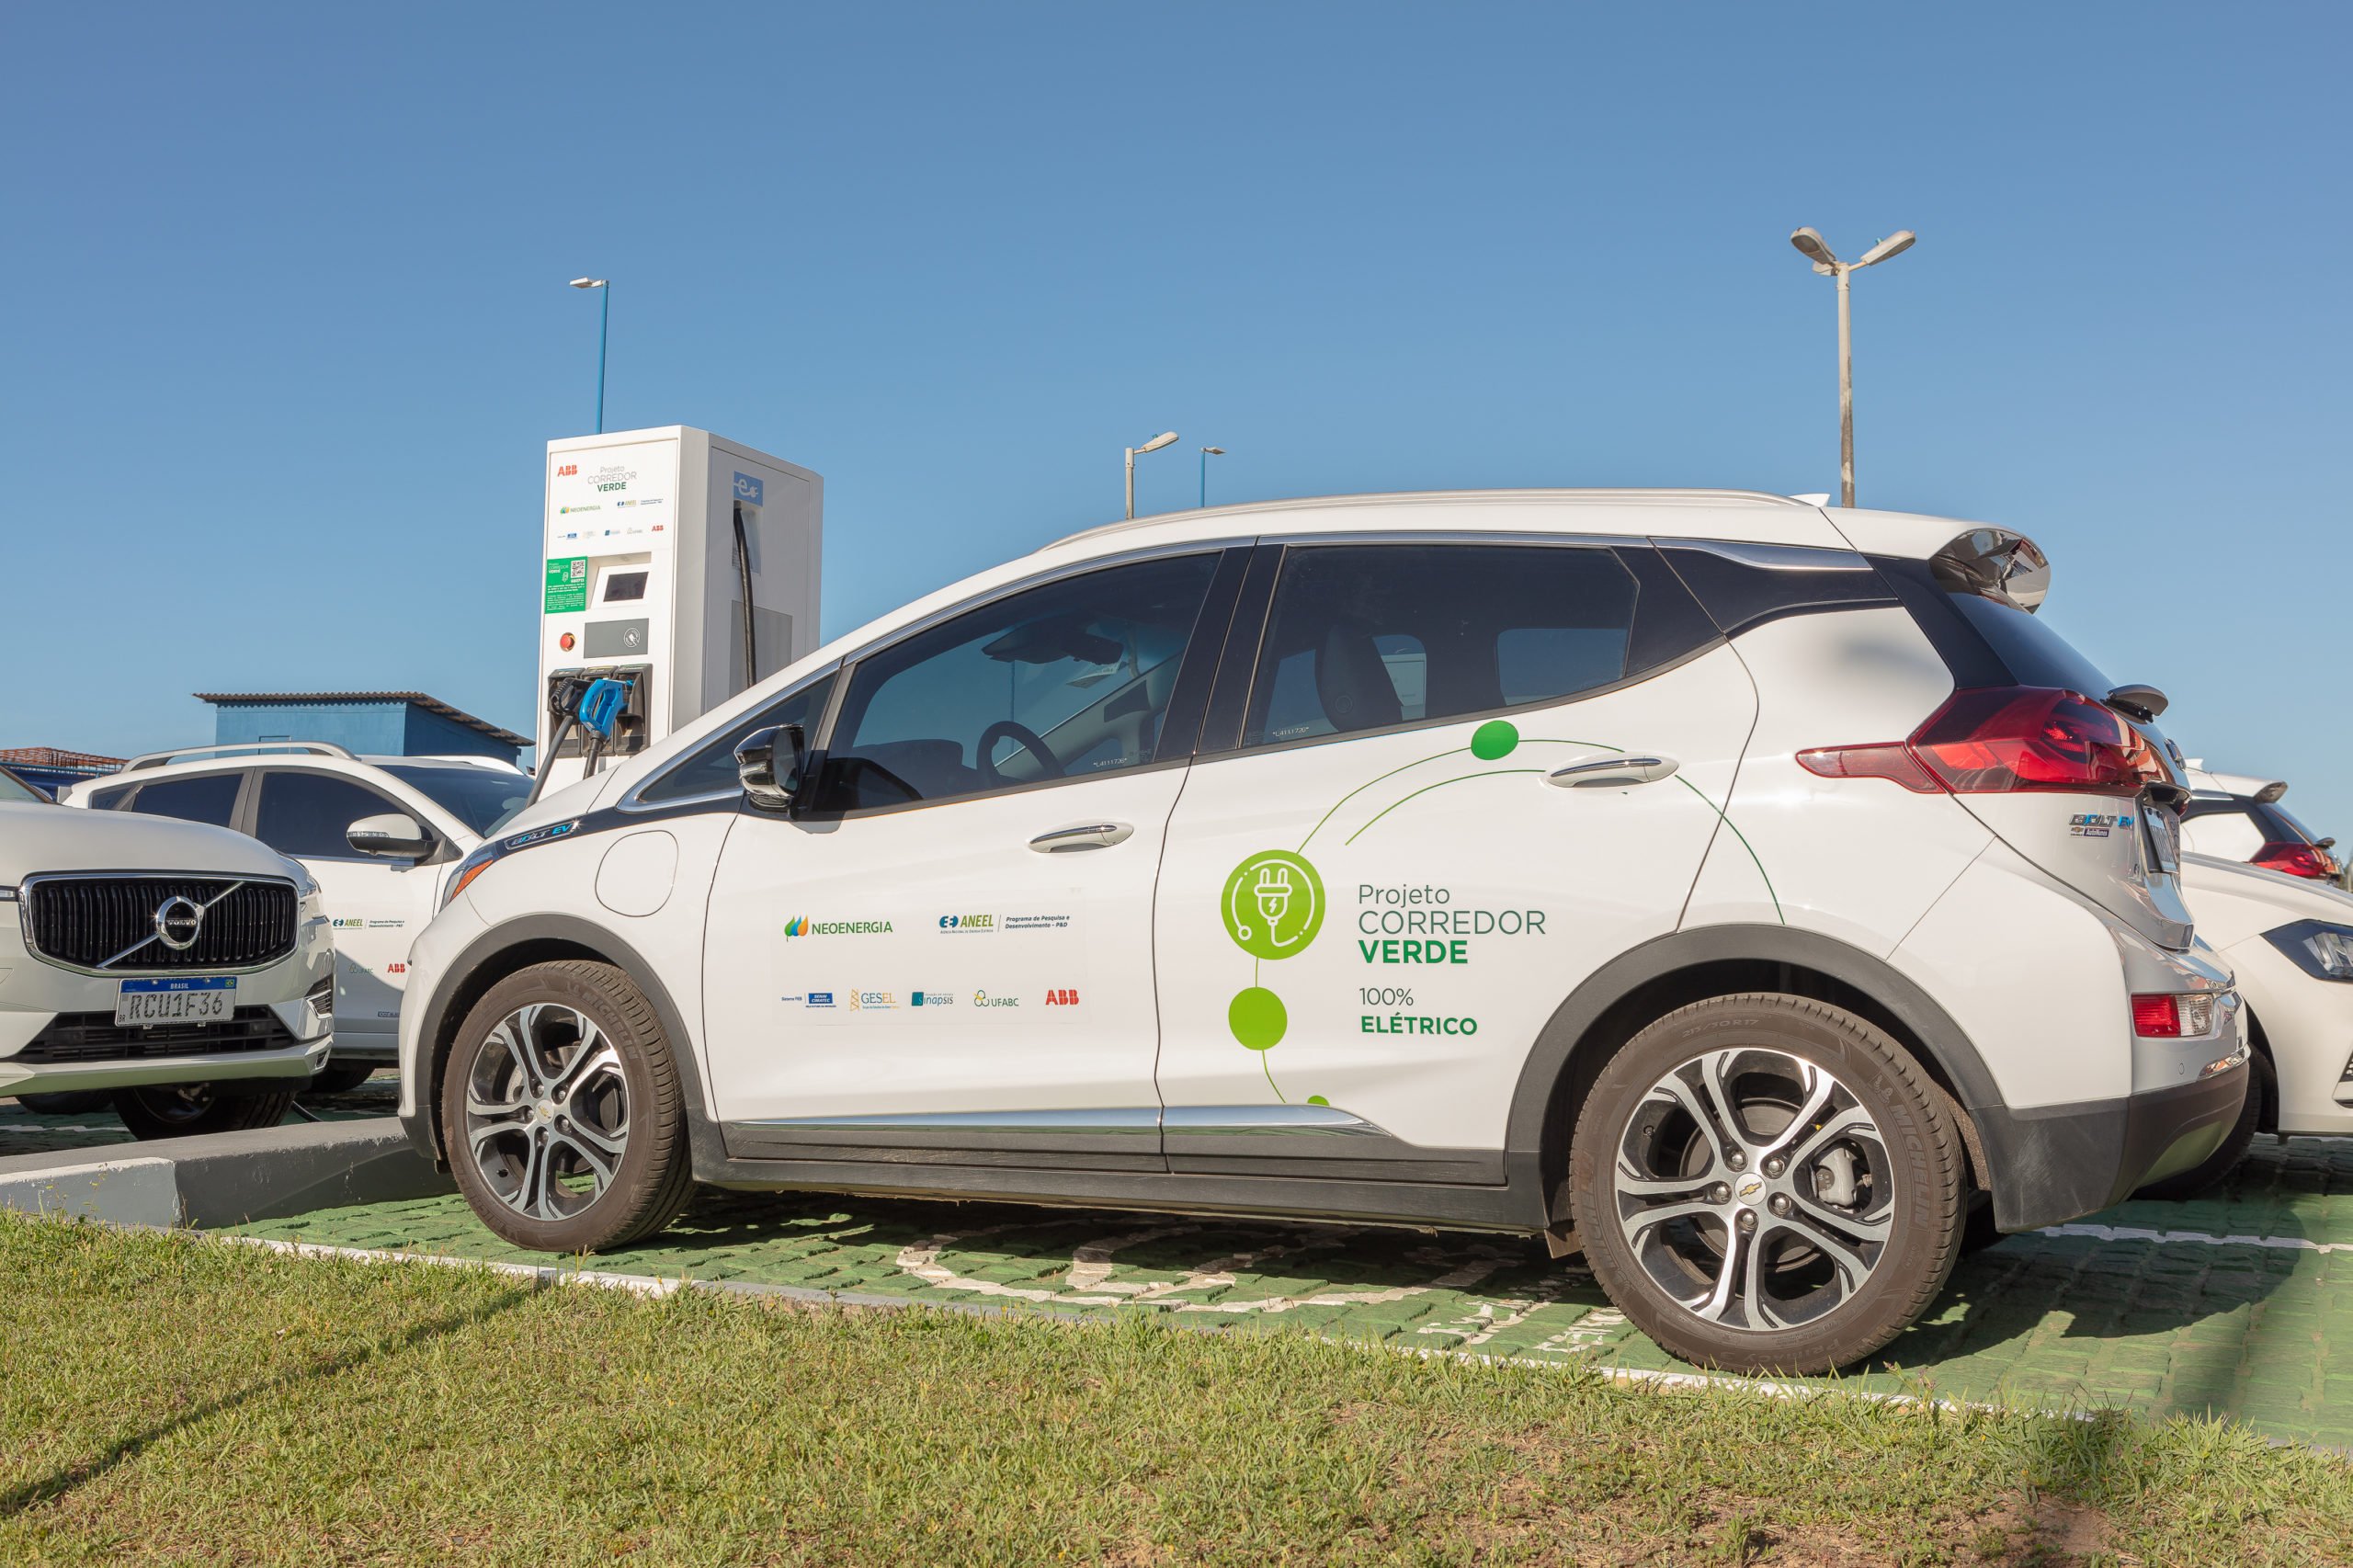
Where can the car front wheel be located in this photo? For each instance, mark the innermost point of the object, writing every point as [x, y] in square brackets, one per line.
[561, 1111]
[1767, 1183]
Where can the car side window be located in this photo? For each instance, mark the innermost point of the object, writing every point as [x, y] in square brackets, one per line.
[108, 800]
[1363, 637]
[1066, 680]
[710, 769]
[305, 814]
[207, 797]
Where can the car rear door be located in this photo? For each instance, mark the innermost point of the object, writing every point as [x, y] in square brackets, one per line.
[373, 901]
[1448, 782]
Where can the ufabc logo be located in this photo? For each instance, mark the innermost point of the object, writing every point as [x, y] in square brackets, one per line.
[802, 925]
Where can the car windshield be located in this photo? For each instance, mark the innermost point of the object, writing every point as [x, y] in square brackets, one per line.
[14, 789]
[482, 798]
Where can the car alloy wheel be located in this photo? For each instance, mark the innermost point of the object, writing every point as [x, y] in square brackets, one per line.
[1754, 1188]
[546, 1111]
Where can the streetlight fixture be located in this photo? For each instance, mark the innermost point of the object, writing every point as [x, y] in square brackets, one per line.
[604, 323]
[1207, 453]
[1809, 242]
[1165, 438]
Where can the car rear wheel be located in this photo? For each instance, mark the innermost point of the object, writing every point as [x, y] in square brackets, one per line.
[339, 1077]
[1767, 1183]
[185, 1111]
[561, 1111]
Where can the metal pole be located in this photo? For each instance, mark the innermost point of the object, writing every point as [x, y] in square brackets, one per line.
[1132, 482]
[1205, 476]
[603, 330]
[1845, 393]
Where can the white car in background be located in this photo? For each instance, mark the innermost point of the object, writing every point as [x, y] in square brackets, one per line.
[377, 832]
[2236, 816]
[2289, 941]
[183, 972]
[1736, 890]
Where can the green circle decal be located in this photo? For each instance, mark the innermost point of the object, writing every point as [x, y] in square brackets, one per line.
[1494, 740]
[1273, 905]
[1257, 1018]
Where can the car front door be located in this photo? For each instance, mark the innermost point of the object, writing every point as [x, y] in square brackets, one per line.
[373, 903]
[944, 952]
[1466, 774]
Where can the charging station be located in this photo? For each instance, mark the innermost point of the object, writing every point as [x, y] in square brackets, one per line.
[677, 562]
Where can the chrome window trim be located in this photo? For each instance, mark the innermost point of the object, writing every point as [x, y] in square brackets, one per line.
[25, 918]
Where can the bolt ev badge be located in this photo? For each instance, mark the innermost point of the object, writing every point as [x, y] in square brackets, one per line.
[178, 922]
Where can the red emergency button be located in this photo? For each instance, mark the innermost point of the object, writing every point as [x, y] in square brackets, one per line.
[565, 641]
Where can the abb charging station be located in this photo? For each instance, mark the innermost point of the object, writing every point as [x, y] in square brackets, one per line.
[678, 561]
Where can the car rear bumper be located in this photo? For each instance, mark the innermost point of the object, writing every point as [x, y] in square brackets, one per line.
[2053, 1164]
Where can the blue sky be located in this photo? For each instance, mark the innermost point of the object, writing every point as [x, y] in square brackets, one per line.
[288, 329]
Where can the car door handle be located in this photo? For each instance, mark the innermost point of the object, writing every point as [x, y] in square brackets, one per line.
[1611, 772]
[1086, 835]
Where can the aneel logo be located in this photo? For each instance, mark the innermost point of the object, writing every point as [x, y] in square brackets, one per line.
[968, 922]
[1061, 998]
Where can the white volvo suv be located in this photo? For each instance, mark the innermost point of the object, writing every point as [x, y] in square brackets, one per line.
[378, 834]
[185, 971]
[1736, 890]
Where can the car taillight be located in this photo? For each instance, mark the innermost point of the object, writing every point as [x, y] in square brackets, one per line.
[2296, 859]
[2156, 1017]
[1997, 740]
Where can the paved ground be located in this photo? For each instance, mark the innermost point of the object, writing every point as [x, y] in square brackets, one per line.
[22, 1133]
[2239, 1304]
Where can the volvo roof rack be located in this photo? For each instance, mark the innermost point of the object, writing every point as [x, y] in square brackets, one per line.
[160, 758]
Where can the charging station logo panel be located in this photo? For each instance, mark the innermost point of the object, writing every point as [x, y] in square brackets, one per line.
[750, 490]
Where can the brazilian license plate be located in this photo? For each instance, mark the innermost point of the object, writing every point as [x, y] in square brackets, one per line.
[201, 1000]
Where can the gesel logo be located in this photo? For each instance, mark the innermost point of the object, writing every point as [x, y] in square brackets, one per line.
[1061, 998]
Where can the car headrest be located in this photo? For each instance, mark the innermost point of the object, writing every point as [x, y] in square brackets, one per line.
[1351, 681]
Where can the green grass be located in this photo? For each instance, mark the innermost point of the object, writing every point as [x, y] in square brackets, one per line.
[173, 1398]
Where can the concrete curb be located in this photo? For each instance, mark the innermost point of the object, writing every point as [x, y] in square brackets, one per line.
[226, 1178]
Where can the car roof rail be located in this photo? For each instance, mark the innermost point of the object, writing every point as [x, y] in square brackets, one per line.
[161, 758]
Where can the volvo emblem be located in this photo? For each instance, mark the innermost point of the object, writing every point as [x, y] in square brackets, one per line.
[177, 921]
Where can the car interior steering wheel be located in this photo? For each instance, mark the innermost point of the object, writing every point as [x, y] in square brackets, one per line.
[1030, 741]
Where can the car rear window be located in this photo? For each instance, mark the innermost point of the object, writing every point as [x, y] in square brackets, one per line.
[2037, 654]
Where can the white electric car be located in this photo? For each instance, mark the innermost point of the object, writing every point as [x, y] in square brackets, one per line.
[2290, 939]
[1728, 888]
[2237, 817]
[379, 833]
[183, 970]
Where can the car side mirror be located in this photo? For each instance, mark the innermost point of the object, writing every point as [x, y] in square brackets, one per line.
[391, 835]
[771, 763]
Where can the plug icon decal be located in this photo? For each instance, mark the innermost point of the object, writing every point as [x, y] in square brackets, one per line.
[1274, 904]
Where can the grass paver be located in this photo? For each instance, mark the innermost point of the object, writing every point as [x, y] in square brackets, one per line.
[2070, 1320]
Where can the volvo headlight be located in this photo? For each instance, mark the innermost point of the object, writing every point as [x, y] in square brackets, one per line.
[2320, 950]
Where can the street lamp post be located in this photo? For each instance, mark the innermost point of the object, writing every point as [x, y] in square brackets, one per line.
[1166, 437]
[603, 326]
[1207, 453]
[1811, 246]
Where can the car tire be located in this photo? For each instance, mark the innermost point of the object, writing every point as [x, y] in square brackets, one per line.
[188, 1110]
[339, 1077]
[561, 1111]
[1767, 1183]
[2260, 1081]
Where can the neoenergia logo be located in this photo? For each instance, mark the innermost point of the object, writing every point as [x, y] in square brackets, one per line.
[802, 925]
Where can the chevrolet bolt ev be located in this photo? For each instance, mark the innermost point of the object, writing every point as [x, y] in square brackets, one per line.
[183, 973]
[1738, 891]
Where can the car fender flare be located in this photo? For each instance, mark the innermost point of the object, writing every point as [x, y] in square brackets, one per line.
[601, 940]
[1556, 1048]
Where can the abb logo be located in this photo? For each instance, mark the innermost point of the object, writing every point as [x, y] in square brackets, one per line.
[567, 471]
[396, 969]
[1061, 998]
